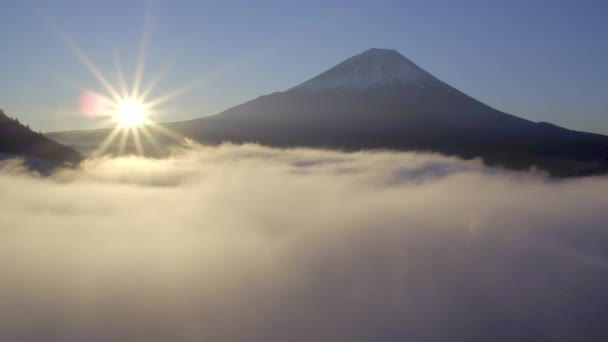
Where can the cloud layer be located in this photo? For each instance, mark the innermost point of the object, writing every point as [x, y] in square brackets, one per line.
[247, 243]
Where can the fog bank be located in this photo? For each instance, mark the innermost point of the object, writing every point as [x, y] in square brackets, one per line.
[248, 243]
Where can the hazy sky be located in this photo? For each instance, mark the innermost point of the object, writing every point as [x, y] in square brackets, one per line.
[543, 60]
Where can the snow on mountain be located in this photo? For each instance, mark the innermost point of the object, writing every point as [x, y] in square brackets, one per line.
[371, 69]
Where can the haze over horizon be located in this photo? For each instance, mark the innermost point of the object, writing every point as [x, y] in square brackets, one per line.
[540, 61]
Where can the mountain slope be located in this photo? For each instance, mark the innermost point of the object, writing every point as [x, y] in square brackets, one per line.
[380, 99]
[18, 140]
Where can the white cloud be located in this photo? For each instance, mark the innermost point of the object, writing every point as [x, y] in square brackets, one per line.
[246, 243]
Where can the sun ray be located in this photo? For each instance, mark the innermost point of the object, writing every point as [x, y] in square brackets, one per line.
[143, 96]
[107, 142]
[141, 58]
[149, 137]
[187, 87]
[79, 54]
[174, 93]
[84, 59]
[122, 80]
[123, 140]
[137, 141]
[167, 132]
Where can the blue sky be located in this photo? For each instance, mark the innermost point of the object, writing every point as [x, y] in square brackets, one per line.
[542, 60]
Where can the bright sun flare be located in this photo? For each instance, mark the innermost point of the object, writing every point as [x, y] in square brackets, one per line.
[131, 113]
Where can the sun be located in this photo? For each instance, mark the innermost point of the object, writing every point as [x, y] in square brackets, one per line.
[131, 113]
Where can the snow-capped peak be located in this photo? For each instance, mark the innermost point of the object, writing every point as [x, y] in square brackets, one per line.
[371, 69]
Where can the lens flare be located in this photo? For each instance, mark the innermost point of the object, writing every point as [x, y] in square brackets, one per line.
[93, 104]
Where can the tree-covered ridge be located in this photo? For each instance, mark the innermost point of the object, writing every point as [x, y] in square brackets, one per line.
[20, 140]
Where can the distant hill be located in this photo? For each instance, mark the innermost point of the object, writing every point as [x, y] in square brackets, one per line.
[379, 99]
[19, 140]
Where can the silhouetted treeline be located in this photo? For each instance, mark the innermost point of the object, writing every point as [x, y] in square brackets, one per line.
[20, 140]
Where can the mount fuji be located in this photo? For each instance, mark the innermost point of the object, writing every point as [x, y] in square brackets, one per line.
[379, 99]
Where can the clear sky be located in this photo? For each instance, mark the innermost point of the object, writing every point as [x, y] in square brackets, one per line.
[544, 60]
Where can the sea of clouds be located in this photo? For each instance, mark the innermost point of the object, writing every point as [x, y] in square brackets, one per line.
[248, 243]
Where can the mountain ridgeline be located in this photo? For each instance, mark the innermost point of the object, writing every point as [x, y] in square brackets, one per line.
[39, 152]
[381, 100]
